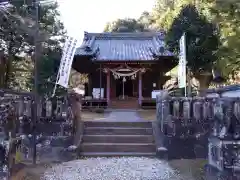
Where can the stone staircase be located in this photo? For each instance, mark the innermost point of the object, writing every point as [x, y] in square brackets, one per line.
[117, 139]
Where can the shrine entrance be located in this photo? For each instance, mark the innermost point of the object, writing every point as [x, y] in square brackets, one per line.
[125, 88]
[125, 80]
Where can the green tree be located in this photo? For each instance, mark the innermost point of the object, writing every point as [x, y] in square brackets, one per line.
[11, 41]
[17, 42]
[164, 12]
[223, 13]
[124, 25]
[50, 26]
[227, 16]
[147, 20]
[201, 39]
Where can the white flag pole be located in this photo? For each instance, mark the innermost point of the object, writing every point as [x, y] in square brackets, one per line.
[55, 86]
[65, 64]
[64, 48]
[182, 80]
[185, 62]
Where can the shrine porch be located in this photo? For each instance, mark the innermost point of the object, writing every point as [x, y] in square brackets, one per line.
[123, 86]
[118, 103]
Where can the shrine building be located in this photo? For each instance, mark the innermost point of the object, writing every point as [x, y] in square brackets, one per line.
[127, 69]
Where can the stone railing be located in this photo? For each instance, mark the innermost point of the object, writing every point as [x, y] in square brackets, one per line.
[58, 128]
[55, 110]
[189, 124]
[46, 107]
[184, 117]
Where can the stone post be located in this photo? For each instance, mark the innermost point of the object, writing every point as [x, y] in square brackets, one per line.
[21, 106]
[162, 109]
[48, 108]
[28, 108]
[39, 111]
[76, 107]
[225, 137]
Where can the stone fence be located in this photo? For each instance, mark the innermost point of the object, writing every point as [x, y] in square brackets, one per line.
[55, 128]
[20, 107]
[46, 107]
[201, 127]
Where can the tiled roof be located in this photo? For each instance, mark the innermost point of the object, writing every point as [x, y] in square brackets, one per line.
[123, 46]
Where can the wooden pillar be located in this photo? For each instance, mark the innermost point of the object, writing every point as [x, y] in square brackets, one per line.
[160, 80]
[89, 85]
[108, 87]
[100, 81]
[140, 88]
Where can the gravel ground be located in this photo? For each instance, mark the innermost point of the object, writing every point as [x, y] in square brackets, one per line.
[190, 169]
[125, 168]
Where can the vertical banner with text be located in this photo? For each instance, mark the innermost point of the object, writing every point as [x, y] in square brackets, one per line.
[66, 61]
[182, 63]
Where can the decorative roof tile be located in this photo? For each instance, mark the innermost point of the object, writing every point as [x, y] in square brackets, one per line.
[123, 46]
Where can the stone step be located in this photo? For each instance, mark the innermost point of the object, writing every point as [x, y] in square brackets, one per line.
[118, 147]
[130, 103]
[117, 131]
[124, 103]
[118, 154]
[118, 138]
[127, 105]
[144, 124]
[124, 107]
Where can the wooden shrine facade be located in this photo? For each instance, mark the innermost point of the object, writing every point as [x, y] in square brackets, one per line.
[123, 67]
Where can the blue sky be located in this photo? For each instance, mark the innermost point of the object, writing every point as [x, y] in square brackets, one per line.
[92, 15]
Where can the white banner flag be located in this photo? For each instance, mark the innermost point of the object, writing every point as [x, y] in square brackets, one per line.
[66, 61]
[182, 63]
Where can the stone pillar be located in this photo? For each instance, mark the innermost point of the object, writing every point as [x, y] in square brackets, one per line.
[140, 89]
[28, 108]
[21, 106]
[108, 87]
[75, 103]
[39, 111]
[48, 108]
[162, 108]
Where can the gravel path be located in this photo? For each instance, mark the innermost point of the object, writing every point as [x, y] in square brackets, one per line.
[125, 168]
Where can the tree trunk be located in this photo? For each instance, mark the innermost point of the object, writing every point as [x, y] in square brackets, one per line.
[204, 82]
[2, 71]
[8, 72]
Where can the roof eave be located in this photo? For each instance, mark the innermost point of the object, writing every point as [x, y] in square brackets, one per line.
[129, 60]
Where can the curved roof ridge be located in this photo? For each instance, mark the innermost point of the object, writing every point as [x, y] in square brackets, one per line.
[124, 45]
[125, 34]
